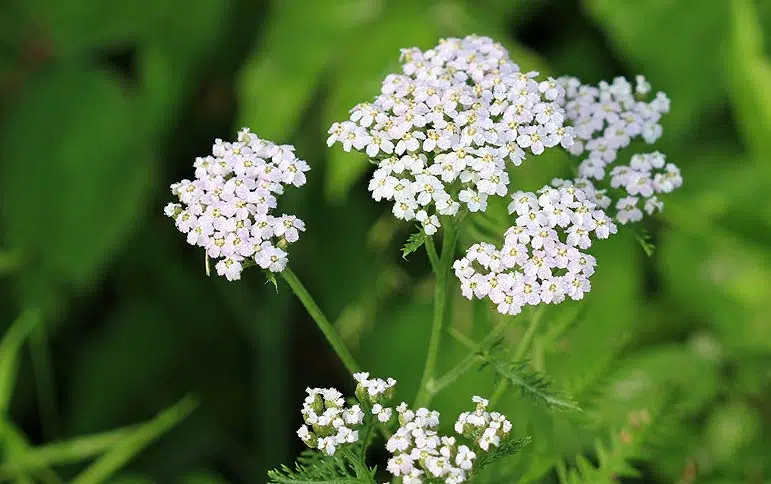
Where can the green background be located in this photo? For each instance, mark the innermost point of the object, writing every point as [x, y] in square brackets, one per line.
[104, 104]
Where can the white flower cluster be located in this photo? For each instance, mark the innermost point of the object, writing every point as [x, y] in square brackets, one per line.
[483, 427]
[646, 176]
[442, 130]
[373, 390]
[228, 208]
[328, 422]
[541, 260]
[420, 452]
[608, 117]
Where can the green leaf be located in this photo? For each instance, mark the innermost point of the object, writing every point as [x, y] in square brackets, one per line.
[280, 78]
[646, 242]
[533, 385]
[362, 68]
[749, 73]
[661, 40]
[10, 346]
[75, 175]
[135, 442]
[630, 442]
[509, 446]
[67, 452]
[316, 468]
[414, 242]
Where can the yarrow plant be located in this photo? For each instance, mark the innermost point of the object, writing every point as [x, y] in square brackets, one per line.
[446, 133]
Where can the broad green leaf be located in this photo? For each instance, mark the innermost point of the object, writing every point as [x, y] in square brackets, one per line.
[281, 76]
[134, 443]
[357, 76]
[749, 72]
[10, 347]
[673, 43]
[75, 174]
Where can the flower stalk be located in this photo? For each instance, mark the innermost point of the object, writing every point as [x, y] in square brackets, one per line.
[322, 322]
[440, 308]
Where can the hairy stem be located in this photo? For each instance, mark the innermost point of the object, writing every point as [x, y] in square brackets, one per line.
[440, 308]
[522, 349]
[321, 321]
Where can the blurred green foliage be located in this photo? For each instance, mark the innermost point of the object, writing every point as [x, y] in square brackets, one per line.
[103, 105]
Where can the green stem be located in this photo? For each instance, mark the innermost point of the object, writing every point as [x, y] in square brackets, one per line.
[321, 321]
[432, 255]
[440, 307]
[435, 386]
[462, 338]
[519, 354]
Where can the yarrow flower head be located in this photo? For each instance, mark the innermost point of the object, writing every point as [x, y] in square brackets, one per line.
[442, 131]
[647, 176]
[373, 390]
[541, 260]
[229, 208]
[421, 454]
[606, 118]
[330, 423]
[484, 428]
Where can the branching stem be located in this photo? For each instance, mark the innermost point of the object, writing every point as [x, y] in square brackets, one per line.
[440, 308]
[521, 352]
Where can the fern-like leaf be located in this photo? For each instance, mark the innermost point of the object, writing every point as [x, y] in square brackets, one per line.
[646, 242]
[414, 242]
[533, 385]
[631, 442]
[507, 447]
[316, 468]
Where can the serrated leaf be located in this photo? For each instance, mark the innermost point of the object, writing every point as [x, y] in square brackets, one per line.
[507, 447]
[646, 242]
[533, 385]
[414, 242]
[315, 468]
